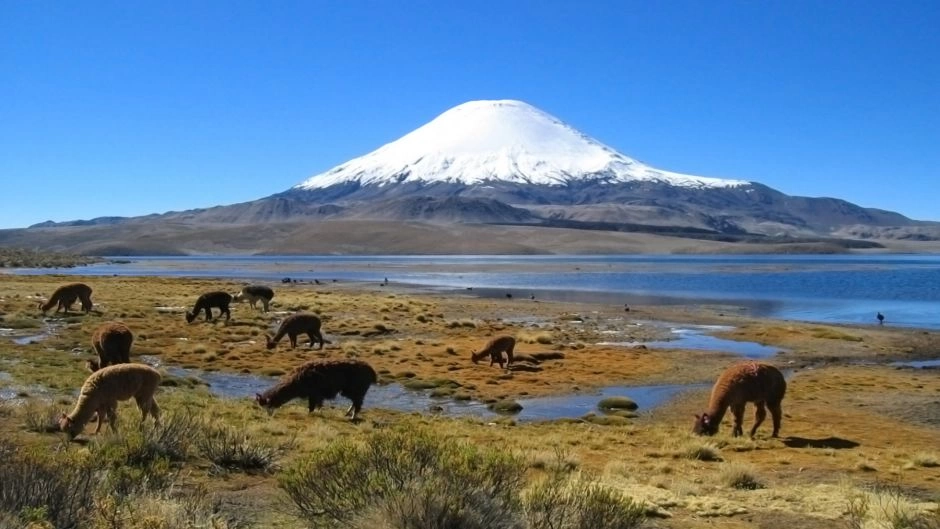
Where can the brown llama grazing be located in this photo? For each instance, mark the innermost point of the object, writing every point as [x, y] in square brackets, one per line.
[112, 341]
[318, 380]
[255, 293]
[295, 325]
[762, 384]
[494, 349]
[104, 388]
[218, 299]
[64, 297]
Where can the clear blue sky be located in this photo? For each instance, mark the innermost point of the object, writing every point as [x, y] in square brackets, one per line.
[130, 108]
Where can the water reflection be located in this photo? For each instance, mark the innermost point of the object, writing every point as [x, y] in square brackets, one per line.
[695, 337]
[395, 397]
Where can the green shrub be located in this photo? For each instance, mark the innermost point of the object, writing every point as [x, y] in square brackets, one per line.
[409, 477]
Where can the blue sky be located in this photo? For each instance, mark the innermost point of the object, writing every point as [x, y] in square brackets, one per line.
[131, 108]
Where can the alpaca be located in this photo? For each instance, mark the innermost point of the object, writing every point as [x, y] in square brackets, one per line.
[255, 293]
[318, 380]
[64, 297]
[104, 388]
[112, 341]
[205, 302]
[494, 349]
[295, 325]
[739, 384]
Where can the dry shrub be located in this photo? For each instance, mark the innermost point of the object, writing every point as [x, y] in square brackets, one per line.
[38, 488]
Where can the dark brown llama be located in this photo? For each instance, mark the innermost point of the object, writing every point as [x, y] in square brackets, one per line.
[494, 349]
[112, 341]
[64, 297]
[318, 380]
[207, 301]
[295, 325]
[762, 384]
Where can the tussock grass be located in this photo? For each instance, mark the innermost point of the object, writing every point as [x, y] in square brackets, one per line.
[700, 451]
[42, 416]
[231, 448]
[925, 460]
[739, 476]
[829, 333]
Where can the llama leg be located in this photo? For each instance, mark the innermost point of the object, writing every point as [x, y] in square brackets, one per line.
[509, 357]
[101, 414]
[264, 303]
[293, 340]
[737, 410]
[759, 417]
[319, 337]
[112, 417]
[228, 313]
[356, 406]
[776, 414]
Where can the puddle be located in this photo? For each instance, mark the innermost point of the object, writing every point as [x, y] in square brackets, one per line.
[919, 364]
[695, 337]
[573, 406]
[11, 393]
[395, 397]
[50, 330]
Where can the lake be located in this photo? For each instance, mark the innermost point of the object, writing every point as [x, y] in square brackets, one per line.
[823, 288]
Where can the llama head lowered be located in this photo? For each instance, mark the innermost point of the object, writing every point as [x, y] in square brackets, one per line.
[704, 425]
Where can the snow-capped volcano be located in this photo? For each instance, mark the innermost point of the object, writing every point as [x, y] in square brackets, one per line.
[506, 140]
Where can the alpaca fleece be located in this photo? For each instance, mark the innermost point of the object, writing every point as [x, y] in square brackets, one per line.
[762, 384]
[318, 380]
[104, 388]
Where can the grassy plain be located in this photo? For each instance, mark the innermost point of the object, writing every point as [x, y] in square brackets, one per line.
[860, 440]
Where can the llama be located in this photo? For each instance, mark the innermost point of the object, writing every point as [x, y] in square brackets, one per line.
[295, 325]
[253, 294]
[205, 302]
[64, 297]
[104, 388]
[318, 380]
[494, 349]
[112, 341]
[739, 384]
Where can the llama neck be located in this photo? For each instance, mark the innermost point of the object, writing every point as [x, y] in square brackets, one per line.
[86, 406]
[282, 393]
[716, 411]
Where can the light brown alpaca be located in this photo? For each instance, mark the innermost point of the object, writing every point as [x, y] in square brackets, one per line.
[112, 341]
[739, 384]
[295, 325]
[255, 293]
[104, 388]
[494, 349]
[65, 296]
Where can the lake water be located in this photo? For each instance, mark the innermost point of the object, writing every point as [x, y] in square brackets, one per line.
[838, 289]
